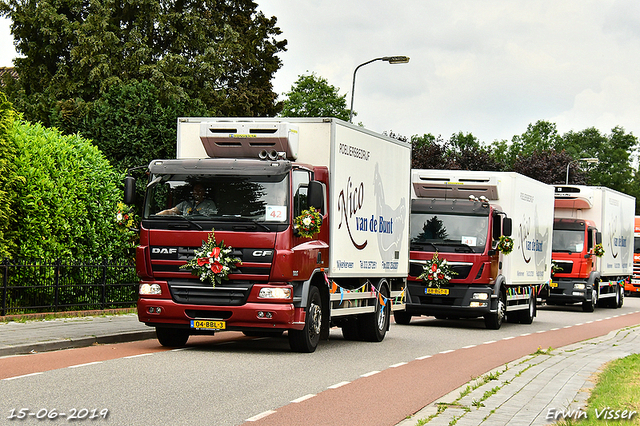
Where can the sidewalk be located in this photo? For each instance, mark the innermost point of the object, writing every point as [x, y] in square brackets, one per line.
[64, 333]
[529, 391]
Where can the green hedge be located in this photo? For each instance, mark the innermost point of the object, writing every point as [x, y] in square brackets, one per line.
[67, 204]
[8, 178]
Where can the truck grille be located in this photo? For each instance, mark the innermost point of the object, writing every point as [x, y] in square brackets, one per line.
[188, 289]
[563, 267]
[196, 292]
[463, 269]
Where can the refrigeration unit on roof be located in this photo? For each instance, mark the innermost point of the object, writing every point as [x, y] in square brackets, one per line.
[249, 139]
[428, 185]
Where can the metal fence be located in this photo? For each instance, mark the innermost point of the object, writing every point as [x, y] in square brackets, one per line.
[37, 285]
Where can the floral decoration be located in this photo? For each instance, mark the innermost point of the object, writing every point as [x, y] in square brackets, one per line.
[555, 268]
[437, 272]
[505, 244]
[212, 262]
[598, 250]
[308, 223]
[125, 217]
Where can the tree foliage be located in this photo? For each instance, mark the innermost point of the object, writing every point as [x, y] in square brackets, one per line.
[223, 54]
[313, 96]
[548, 166]
[68, 201]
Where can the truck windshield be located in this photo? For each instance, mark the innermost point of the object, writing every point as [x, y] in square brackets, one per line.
[571, 241]
[198, 197]
[449, 233]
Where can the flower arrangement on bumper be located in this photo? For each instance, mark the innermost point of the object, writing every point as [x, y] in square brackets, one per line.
[212, 262]
[437, 272]
[308, 223]
[598, 250]
[505, 244]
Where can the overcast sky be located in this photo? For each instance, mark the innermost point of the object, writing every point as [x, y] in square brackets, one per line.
[484, 67]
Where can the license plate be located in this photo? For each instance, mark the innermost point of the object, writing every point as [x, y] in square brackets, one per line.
[552, 284]
[208, 325]
[431, 290]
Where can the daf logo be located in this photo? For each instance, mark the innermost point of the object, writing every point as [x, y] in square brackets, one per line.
[262, 253]
[164, 250]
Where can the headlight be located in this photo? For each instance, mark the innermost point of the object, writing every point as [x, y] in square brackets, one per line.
[480, 296]
[477, 304]
[275, 293]
[579, 286]
[150, 289]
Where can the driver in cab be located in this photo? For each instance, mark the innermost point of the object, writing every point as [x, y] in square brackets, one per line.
[199, 204]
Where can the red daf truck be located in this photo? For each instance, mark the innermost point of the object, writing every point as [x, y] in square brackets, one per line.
[632, 288]
[250, 180]
[592, 246]
[461, 216]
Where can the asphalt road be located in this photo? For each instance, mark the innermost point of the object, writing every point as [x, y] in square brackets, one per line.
[228, 379]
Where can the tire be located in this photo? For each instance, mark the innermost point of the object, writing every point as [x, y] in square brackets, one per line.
[621, 300]
[493, 321]
[526, 317]
[373, 327]
[350, 330]
[306, 340]
[590, 305]
[172, 337]
[402, 317]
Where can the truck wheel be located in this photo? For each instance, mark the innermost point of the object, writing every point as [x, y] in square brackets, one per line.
[493, 321]
[526, 317]
[306, 340]
[590, 305]
[373, 327]
[621, 298]
[172, 337]
[401, 317]
[350, 330]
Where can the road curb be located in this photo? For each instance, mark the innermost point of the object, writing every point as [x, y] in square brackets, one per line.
[55, 345]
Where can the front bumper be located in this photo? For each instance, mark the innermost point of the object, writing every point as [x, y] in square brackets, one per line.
[458, 301]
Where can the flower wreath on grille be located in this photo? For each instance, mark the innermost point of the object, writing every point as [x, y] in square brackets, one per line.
[437, 272]
[212, 262]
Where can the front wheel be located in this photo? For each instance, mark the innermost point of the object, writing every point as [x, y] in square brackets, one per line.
[402, 317]
[590, 305]
[306, 340]
[493, 321]
[172, 337]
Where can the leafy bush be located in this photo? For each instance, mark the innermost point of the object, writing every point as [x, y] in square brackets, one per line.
[68, 201]
[8, 177]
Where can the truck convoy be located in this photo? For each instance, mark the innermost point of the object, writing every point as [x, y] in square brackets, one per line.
[470, 219]
[257, 184]
[633, 286]
[592, 246]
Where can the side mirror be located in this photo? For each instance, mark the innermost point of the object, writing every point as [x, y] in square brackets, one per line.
[507, 226]
[496, 230]
[129, 190]
[598, 237]
[315, 195]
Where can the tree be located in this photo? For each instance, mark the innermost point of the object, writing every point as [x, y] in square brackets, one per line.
[467, 153]
[313, 96]
[222, 53]
[548, 166]
[428, 152]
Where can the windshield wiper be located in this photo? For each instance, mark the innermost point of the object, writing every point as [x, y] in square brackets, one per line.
[231, 218]
[188, 220]
[424, 243]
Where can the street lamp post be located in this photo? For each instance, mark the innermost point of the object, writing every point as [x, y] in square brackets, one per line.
[390, 59]
[586, 160]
